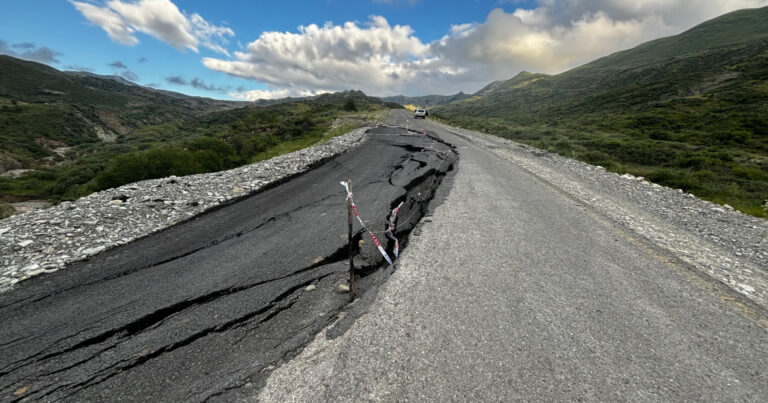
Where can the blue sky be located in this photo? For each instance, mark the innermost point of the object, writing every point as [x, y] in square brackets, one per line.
[383, 47]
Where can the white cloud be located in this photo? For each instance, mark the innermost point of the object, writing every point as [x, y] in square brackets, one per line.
[30, 51]
[561, 34]
[110, 21]
[334, 57]
[255, 95]
[382, 59]
[158, 18]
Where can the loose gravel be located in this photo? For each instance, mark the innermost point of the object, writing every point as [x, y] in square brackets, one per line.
[715, 240]
[47, 240]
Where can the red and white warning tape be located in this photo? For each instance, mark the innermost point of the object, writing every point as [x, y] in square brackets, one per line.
[365, 227]
[391, 228]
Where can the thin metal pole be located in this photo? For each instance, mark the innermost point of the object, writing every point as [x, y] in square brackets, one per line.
[350, 246]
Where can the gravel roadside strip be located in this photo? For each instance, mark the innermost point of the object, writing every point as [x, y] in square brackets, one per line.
[716, 240]
[44, 241]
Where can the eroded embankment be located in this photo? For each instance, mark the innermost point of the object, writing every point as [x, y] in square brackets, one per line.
[200, 310]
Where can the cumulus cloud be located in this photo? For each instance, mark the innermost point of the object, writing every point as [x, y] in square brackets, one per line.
[200, 84]
[559, 34]
[383, 59]
[24, 45]
[116, 27]
[42, 54]
[330, 57]
[255, 95]
[196, 83]
[30, 51]
[129, 75]
[121, 20]
[76, 67]
[176, 80]
[125, 73]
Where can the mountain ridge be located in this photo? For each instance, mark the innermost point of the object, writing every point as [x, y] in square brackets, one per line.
[686, 111]
[426, 101]
[65, 135]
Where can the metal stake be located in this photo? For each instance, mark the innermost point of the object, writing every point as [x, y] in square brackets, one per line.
[350, 247]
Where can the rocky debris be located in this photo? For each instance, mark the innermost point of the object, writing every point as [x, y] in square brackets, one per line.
[718, 241]
[44, 241]
[354, 120]
[31, 205]
[121, 197]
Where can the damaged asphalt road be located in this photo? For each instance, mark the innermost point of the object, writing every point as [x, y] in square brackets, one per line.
[203, 309]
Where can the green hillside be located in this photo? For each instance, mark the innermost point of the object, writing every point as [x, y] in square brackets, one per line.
[688, 111]
[42, 108]
[336, 98]
[79, 133]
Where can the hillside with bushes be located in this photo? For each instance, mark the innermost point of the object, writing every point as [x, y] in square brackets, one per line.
[687, 111]
[79, 133]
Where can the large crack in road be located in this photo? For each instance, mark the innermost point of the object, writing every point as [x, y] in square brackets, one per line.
[206, 308]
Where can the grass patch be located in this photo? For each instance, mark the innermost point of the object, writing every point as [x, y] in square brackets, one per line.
[298, 144]
[6, 210]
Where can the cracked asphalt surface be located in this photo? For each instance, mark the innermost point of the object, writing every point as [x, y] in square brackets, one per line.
[513, 290]
[202, 310]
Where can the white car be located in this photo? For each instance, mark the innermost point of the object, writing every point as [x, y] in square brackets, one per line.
[420, 113]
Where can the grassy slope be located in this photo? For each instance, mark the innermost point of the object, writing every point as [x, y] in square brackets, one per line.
[687, 111]
[158, 133]
[196, 144]
[39, 103]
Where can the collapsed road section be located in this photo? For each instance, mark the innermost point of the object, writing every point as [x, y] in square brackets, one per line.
[204, 308]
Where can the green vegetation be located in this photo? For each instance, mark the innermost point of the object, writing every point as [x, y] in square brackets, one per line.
[349, 105]
[81, 133]
[213, 142]
[688, 111]
[6, 210]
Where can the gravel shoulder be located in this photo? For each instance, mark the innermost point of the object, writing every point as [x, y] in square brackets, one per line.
[47, 240]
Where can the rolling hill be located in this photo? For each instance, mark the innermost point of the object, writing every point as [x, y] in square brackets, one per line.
[76, 132]
[687, 111]
[43, 109]
[426, 101]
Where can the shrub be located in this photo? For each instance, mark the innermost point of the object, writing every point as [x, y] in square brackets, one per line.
[660, 135]
[211, 144]
[6, 210]
[600, 158]
[733, 137]
[749, 172]
[674, 179]
[349, 105]
[151, 164]
[694, 161]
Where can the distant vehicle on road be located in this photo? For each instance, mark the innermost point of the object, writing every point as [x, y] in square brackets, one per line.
[420, 113]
